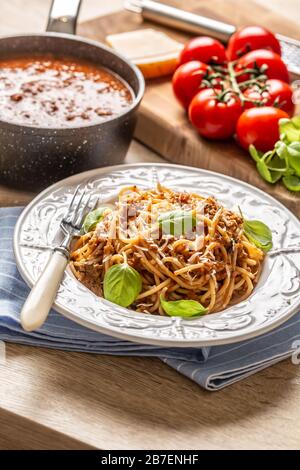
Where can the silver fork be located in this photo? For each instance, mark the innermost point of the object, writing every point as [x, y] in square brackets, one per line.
[39, 302]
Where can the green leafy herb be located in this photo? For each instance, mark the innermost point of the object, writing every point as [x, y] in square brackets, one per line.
[278, 165]
[289, 132]
[266, 173]
[292, 182]
[177, 222]
[182, 308]
[259, 234]
[295, 146]
[281, 150]
[296, 121]
[92, 219]
[294, 156]
[255, 154]
[122, 284]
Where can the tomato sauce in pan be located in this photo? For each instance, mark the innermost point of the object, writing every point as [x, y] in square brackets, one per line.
[54, 92]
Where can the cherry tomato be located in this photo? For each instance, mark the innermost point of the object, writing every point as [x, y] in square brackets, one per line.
[259, 126]
[258, 98]
[277, 93]
[212, 117]
[276, 67]
[187, 80]
[249, 39]
[205, 49]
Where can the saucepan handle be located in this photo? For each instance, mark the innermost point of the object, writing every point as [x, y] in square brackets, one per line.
[63, 16]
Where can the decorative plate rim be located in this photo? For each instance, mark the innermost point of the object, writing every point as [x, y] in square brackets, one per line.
[165, 331]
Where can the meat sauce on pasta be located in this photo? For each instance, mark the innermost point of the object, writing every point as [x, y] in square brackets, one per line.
[211, 261]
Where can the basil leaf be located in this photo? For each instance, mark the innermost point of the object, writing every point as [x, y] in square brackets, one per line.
[177, 222]
[122, 284]
[289, 130]
[295, 146]
[281, 150]
[266, 174]
[284, 159]
[92, 219]
[277, 164]
[292, 182]
[296, 121]
[259, 234]
[294, 157]
[275, 175]
[264, 171]
[293, 152]
[182, 308]
[255, 154]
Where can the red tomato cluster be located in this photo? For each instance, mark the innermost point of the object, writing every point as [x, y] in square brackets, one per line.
[243, 90]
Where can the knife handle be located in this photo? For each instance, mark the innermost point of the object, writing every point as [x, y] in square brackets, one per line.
[39, 302]
[180, 19]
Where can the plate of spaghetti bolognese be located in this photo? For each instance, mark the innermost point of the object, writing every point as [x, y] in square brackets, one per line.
[168, 255]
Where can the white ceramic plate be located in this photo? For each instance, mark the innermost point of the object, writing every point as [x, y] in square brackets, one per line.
[274, 300]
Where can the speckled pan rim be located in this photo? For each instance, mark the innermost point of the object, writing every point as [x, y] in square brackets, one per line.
[235, 336]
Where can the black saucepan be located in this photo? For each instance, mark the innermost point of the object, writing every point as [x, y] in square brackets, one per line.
[32, 157]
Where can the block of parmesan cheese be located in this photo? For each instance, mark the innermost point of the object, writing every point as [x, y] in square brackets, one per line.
[154, 52]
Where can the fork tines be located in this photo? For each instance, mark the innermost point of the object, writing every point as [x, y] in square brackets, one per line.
[78, 207]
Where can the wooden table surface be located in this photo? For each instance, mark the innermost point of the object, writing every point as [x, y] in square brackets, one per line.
[59, 400]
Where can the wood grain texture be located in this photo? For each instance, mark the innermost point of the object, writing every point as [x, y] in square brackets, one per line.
[129, 403]
[162, 123]
[18, 433]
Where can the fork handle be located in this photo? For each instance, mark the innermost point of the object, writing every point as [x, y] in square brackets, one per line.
[39, 302]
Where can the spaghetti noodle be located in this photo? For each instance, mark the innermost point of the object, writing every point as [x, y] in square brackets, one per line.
[211, 262]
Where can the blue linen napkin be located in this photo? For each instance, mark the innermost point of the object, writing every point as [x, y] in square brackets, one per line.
[212, 368]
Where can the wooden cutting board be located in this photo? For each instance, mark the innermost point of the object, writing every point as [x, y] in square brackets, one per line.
[162, 123]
